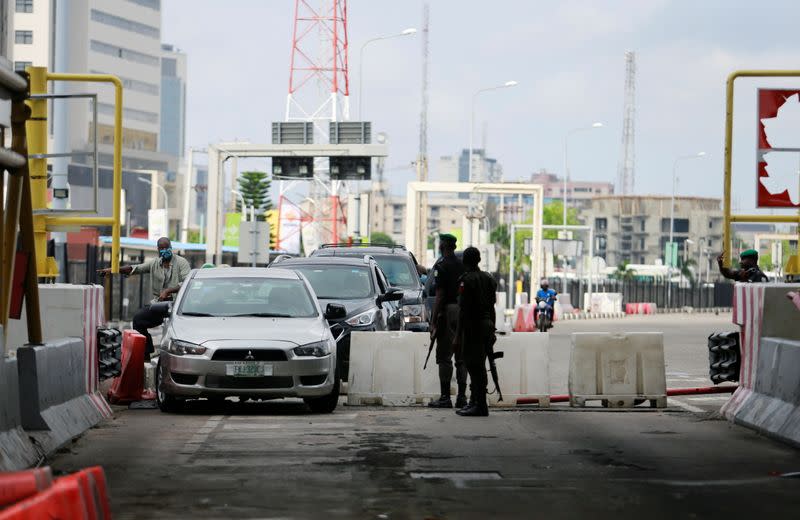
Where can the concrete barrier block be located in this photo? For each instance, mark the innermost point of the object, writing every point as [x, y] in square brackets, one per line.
[386, 368]
[16, 450]
[618, 369]
[54, 402]
[772, 407]
[524, 369]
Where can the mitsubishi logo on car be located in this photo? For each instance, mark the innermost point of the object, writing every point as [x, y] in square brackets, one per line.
[249, 356]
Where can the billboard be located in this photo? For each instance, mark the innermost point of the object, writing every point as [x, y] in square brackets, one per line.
[778, 153]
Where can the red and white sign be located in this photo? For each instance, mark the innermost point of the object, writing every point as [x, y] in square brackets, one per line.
[778, 155]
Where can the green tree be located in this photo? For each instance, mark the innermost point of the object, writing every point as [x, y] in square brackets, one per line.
[381, 238]
[254, 187]
[687, 271]
[624, 272]
[553, 214]
[501, 238]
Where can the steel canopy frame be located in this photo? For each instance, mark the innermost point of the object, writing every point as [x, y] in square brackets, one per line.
[412, 201]
[219, 153]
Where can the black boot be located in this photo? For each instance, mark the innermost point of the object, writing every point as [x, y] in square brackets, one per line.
[443, 402]
[445, 375]
[477, 409]
[461, 401]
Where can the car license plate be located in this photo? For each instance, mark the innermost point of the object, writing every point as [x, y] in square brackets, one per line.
[248, 369]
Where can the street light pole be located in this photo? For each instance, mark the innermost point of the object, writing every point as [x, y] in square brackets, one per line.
[244, 206]
[507, 84]
[672, 219]
[407, 32]
[160, 187]
[564, 194]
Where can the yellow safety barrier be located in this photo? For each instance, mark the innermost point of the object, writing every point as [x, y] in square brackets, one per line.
[728, 216]
[37, 145]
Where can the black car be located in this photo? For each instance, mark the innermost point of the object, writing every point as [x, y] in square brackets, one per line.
[400, 267]
[360, 286]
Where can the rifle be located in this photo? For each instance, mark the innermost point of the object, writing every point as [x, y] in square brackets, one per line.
[491, 355]
[430, 349]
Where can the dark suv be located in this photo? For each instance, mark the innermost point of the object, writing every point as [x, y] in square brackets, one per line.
[400, 268]
[360, 286]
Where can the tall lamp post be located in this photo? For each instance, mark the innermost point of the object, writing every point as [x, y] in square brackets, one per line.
[160, 187]
[566, 176]
[672, 218]
[507, 84]
[407, 32]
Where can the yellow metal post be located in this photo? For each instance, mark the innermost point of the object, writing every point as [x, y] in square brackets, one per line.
[114, 220]
[36, 130]
[727, 214]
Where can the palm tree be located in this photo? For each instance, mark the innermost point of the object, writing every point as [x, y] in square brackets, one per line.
[687, 272]
[624, 272]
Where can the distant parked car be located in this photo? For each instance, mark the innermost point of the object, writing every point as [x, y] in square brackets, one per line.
[251, 333]
[400, 267]
[358, 284]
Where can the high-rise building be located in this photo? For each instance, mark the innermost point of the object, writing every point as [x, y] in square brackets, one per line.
[173, 101]
[123, 38]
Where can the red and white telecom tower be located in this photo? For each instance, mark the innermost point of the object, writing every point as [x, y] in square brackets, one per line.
[319, 90]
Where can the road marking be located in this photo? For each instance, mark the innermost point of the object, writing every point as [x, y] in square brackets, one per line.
[686, 406]
[283, 425]
[198, 438]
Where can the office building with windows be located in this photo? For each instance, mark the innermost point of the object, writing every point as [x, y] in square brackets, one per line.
[636, 229]
[123, 38]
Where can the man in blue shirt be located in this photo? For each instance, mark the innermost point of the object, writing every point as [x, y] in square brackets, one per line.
[548, 296]
[545, 293]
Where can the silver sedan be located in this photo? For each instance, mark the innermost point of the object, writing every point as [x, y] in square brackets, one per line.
[251, 333]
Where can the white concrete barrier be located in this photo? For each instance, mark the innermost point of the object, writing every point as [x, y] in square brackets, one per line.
[69, 311]
[603, 302]
[768, 397]
[386, 369]
[617, 369]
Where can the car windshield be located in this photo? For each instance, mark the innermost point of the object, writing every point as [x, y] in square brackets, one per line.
[399, 271]
[250, 297]
[338, 282]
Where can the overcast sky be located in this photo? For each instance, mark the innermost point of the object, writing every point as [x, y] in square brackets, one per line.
[568, 57]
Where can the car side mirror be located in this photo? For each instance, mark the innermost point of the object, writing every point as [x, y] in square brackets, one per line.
[335, 311]
[392, 295]
[163, 309]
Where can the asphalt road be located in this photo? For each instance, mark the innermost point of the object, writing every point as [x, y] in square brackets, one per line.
[276, 460]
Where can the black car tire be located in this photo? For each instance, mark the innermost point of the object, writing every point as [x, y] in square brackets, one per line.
[167, 403]
[326, 404]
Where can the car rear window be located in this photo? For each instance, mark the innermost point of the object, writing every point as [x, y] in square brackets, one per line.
[338, 282]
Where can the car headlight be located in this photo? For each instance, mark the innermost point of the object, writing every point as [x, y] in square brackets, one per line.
[363, 319]
[180, 348]
[318, 349]
[412, 310]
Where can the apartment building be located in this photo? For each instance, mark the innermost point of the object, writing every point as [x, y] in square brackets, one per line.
[636, 229]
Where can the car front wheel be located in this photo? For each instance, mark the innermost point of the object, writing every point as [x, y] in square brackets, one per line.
[167, 403]
[327, 403]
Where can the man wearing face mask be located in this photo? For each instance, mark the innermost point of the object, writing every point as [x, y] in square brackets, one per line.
[167, 273]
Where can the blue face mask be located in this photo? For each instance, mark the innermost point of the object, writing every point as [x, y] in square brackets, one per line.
[165, 254]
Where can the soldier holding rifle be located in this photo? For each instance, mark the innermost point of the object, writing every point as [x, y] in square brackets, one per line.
[475, 334]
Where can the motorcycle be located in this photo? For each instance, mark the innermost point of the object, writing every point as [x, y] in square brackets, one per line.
[544, 316]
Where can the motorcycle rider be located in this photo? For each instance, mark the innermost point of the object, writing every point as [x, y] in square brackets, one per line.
[548, 296]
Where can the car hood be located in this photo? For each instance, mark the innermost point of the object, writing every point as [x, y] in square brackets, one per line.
[352, 307]
[200, 330]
